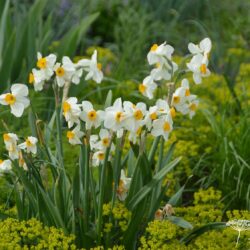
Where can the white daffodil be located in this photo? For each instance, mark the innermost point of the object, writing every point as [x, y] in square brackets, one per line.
[74, 136]
[147, 87]
[105, 137]
[158, 54]
[164, 71]
[163, 107]
[29, 145]
[123, 187]
[98, 158]
[134, 115]
[162, 126]
[10, 141]
[46, 65]
[114, 117]
[92, 67]
[192, 106]
[180, 97]
[151, 115]
[37, 79]
[65, 71]
[5, 166]
[72, 69]
[203, 48]
[90, 116]
[71, 111]
[17, 99]
[198, 65]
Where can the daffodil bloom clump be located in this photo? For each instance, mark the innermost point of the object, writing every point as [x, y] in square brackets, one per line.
[104, 171]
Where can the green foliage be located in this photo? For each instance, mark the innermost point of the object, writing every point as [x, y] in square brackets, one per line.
[206, 208]
[32, 234]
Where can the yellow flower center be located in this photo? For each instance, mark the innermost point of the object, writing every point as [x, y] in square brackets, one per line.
[193, 106]
[142, 88]
[6, 137]
[10, 99]
[153, 116]
[138, 114]
[66, 107]
[154, 47]
[176, 99]
[31, 78]
[166, 127]
[105, 141]
[187, 92]
[118, 116]
[92, 115]
[99, 66]
[1, 161]
[158, 65]
[101, 156]
[203, 68]
[70, 135]
[60, 71]
[41, 63]
[28, 143]
[172, 112]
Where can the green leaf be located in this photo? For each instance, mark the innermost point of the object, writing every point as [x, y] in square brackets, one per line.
[72, 38]
[176, 197]
[3, 23]
[180, 222]
[145, 190]
[201, 230]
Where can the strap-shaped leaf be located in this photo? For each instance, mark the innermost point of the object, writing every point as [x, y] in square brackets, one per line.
[145, 190]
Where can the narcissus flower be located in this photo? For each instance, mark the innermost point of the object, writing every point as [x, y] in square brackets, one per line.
[37, 79]
[92, 67]
[147, 87]
[17, 99]
[192, 106]
[105, 137]
[123, 187]
[199, 66]
[74, 136]
[10, 141]
[164, 71]
[114, 117]
[5, 166]
[98, 158]
[66, 72]
[134, 115]
[71, 111]
[90, 116]
[159, 53]
[29, 145]
[162, 126]
[203, 48]
[46, 65]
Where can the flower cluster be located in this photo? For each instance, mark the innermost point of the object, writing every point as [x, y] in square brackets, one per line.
[15, 150]
[64, 72]
[161, 56]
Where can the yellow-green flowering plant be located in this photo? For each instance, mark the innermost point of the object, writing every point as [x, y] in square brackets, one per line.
[105, 172]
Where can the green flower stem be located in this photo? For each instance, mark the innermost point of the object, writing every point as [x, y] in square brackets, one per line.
[101, 193]
[59, 125]
[93, 192]
[86, 185]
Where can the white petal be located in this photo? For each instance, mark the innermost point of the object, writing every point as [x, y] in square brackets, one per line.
[19, 89]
